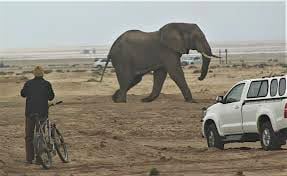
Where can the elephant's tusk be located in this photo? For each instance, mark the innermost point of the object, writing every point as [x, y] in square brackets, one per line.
[215, 56]
[205, 55]
[210, 57]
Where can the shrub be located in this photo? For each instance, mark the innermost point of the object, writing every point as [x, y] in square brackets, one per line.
[78, 70]
[235, 65]
[96, 73]
[10, 73]
[48, 71]
[154, 172]
[214, 66]
[27, 72]
[92, 80]
[23, 78]
[74, 65]
[59, 71]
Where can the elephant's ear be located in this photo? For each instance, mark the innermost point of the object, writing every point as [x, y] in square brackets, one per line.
[172, 38]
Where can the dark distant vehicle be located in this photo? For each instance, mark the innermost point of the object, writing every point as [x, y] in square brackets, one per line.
[85, 51]
[2, 65]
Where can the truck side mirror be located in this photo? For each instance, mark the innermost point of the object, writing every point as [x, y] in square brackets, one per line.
[219, 99]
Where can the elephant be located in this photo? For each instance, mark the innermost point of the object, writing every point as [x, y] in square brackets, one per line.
[135, 53]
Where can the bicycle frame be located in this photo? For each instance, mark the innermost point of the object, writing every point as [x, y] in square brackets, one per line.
[46, 123]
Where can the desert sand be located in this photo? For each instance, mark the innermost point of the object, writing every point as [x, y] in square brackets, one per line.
[129, 139]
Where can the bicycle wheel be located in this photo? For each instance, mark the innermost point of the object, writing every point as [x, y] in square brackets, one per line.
[45, 159]
[60, 146]
[43, 152]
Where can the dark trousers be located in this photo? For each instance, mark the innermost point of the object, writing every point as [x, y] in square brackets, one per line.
[29, 137]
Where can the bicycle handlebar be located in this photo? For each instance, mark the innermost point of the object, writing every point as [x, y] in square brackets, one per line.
[54, 104]
[59, 102]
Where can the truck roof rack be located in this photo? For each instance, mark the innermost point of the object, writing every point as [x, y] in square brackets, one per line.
[274, 75]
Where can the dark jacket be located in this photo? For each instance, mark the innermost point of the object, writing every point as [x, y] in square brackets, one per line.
[37, 92]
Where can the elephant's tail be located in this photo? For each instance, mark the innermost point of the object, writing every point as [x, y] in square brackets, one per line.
[108, 60]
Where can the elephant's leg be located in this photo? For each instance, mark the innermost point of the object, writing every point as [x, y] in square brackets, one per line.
[158, 80]
[126, 81]
[136, 80]
[177, 75]
[120, 96]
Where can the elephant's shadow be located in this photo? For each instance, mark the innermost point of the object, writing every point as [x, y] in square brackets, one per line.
[163, 98]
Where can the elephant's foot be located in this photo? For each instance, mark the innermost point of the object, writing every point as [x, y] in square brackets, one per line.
[120, 101]
[115, 96]
[148, 99]
[190, 100]
[119, 97]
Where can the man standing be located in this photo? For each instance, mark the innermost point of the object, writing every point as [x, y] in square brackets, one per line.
[37, 92]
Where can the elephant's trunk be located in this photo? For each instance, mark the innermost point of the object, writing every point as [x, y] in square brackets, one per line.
[204, 67]
[205, 63]
[205, 50]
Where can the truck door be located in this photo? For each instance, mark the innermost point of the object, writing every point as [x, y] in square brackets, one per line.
[231, 118]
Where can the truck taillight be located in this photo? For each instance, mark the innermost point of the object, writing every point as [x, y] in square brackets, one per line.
[285, 111]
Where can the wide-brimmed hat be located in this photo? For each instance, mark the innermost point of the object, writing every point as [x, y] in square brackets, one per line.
[38, 71]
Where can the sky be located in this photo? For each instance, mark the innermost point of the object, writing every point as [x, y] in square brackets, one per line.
[54, 24]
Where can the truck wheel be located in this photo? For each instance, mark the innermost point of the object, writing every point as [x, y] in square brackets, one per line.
[213, 138]
[268, 138]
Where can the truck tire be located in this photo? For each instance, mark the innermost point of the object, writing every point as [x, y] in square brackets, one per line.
[213, 138]
[269, 140]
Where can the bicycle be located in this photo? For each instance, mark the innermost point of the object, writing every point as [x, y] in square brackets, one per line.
[48, 141]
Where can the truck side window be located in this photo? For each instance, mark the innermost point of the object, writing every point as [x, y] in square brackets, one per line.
[273, 87]
[282, 86]
[258, 89]
[253, 89]
[235, 94]
[263, 91]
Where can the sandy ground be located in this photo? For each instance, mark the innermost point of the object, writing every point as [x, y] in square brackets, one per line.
[108, 139]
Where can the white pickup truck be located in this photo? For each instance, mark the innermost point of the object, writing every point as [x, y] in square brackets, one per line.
[100, 63]
[252, 110]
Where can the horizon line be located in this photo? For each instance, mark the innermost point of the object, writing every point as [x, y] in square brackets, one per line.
[109, 44]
